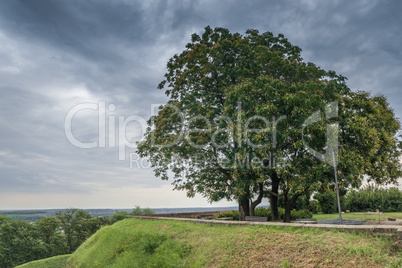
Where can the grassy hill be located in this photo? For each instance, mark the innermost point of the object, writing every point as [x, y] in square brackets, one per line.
[152, 243]
[53, 262]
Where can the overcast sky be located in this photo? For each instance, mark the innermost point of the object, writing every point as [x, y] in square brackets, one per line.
[55, 55]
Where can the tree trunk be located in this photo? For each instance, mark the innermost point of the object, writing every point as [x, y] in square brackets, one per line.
[255, 203]
[289, 205]
[244, 209]
[287, 217]
[273, 199]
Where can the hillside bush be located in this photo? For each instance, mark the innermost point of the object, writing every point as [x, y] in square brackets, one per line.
[137, 211]
[118, 216]
[371, 198]
[263, 212]
[301, 214]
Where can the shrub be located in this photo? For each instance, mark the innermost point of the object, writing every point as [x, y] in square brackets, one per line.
[371, 198]
[118, 216]
[263, 212]
[266, 212]
[314, 206]
[141, 211]
[301, 214]
[260, 212]
[234, 214]
[327, 202]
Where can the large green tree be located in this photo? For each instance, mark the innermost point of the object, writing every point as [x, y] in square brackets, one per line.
[20, 242]
[76, 224]
[50, 233]
[248, 118]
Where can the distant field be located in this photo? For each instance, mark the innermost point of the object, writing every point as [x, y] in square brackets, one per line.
[28, 215]
[22, 212]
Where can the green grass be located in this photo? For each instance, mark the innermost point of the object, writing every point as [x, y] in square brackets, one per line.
[53, 262]
[151, 243]
[353, 216]
[130, 247]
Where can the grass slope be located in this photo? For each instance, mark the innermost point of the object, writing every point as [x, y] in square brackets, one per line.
[53, 262]
[154, 243]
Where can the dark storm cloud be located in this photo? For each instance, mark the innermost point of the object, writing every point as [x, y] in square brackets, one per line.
[95, 29]
[57, 54]
[83, 27]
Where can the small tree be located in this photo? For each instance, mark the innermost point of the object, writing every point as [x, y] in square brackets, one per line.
[141, 211]
[50, 232]
[20, 242]
[75, 225]
[48, 227]
[118, 216]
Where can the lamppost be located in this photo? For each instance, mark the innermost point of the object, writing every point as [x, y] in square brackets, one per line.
[336, 183]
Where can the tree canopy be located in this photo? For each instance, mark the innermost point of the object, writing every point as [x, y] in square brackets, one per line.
[248, 118]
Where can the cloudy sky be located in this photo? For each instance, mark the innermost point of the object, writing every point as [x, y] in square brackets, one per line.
[67, 67]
